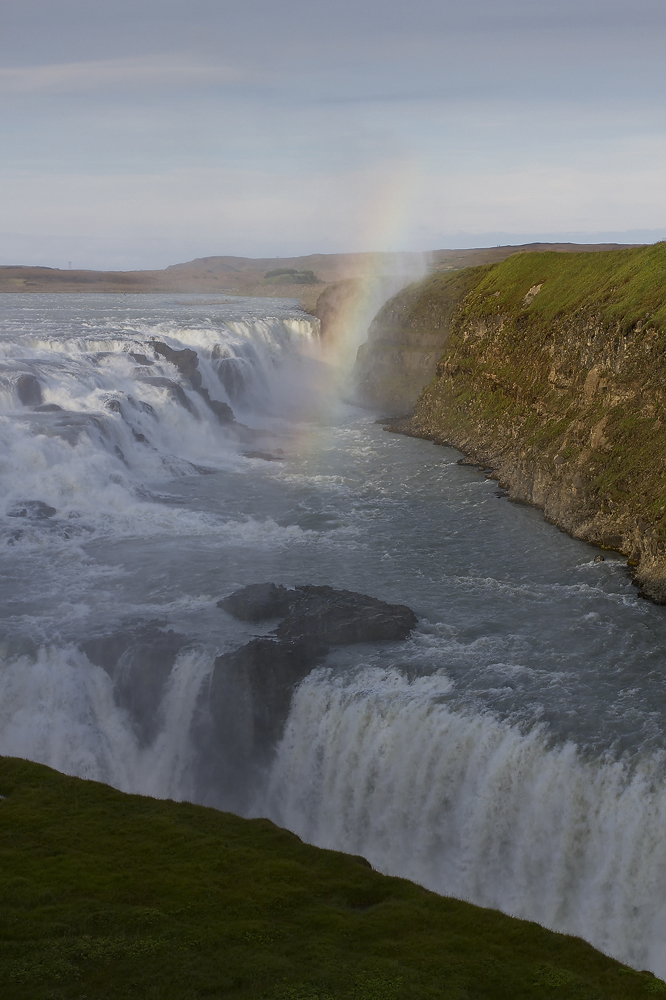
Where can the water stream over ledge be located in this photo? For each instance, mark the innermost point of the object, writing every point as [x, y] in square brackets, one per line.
[511, 752]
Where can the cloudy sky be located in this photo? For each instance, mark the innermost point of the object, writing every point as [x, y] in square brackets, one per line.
[139, 133]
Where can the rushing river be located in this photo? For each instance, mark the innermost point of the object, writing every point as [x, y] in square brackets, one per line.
[511, 752]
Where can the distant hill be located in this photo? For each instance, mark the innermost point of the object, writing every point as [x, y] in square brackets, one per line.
[246, 275]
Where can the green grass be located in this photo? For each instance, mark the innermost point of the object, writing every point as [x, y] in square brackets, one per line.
[622, 287]
[426, 306]
[105, 895]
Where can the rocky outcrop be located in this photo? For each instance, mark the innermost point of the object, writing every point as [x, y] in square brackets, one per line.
[554, 375]
[314, 619]
[29, 390]
[243, 710]
[258, 602]
[187, 362]
[139, 658]
[322, 617]
[35, 510]
[333, 304]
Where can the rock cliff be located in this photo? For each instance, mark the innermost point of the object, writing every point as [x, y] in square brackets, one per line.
[554, 374]
[406, 338]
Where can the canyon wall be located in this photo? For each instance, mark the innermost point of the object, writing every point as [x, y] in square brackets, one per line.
[552, 371]
[406, 339]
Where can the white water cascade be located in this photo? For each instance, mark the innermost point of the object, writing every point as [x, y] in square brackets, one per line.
[512, 751]
[90, 411]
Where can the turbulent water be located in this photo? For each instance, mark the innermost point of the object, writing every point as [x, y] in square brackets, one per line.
[511, 752]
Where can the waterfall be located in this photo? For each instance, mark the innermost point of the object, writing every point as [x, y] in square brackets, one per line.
[89, 417]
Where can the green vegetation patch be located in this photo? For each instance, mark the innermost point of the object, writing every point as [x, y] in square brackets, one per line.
[555, 371]
[291, 276]
[621, 286]
[106, 895]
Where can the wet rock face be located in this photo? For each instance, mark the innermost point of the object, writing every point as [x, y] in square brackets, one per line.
[246, 703]
[29, 390]
[139, 658]
[320, 615]
[35, 510]
[187, 363]
[338, 617]
[185, 360]
[258, 602]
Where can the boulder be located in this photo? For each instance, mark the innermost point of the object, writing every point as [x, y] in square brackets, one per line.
[185, 360]
[35, 510]
[321, 614]
[139, 657]
[339, 617]
[258, 602]
[29, 390]
[222, 411]
[187, 363]
[242, 710]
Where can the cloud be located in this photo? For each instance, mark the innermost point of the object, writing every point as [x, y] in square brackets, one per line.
[104, 74]
[260, 128]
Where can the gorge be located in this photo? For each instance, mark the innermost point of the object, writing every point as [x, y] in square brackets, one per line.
[161, 453]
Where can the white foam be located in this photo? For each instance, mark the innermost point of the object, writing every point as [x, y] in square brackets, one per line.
[59, 709]
[117, 433]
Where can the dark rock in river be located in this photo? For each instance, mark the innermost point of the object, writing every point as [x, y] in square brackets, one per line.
[139, 658]
[258, 602]
[267, 456]
[339, 617]
[33, 509]
[242, 712]
[331, 617]
[187, 363]
[175, 390]
[29, 390]
[263, 675]
[222, 411]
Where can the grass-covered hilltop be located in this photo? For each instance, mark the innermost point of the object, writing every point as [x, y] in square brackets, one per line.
[552, 371]
[106, 895]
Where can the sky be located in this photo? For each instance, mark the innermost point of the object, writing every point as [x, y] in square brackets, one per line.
[140, 134]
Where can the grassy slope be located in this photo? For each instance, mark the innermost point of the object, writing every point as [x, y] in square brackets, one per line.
[623, 286]
[107, 895]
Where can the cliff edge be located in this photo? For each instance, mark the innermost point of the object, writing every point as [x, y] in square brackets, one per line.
[553, 373]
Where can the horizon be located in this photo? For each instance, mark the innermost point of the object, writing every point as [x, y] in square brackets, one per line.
[347, 253]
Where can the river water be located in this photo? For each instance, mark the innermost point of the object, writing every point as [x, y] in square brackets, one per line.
[511, 752]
